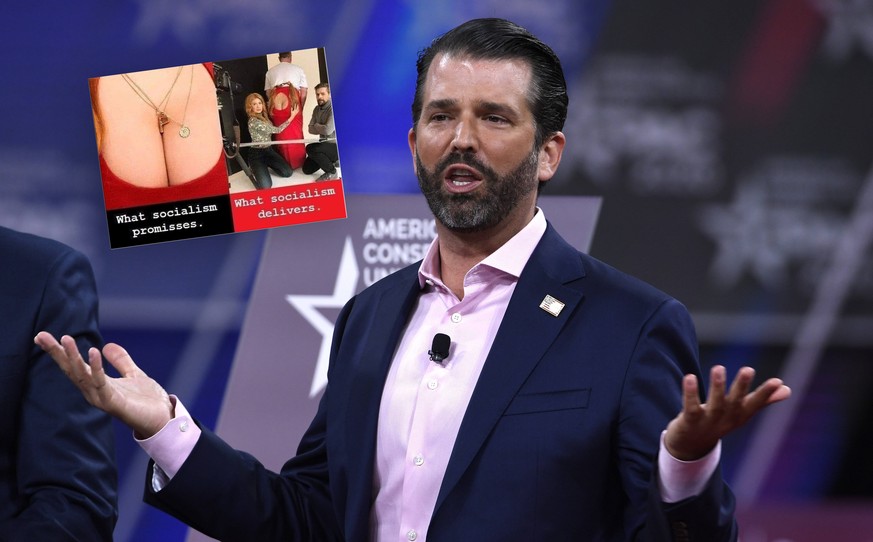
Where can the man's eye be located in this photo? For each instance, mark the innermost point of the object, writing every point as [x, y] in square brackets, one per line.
[496, 119]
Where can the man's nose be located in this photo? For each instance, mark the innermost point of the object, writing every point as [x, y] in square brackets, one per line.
[466, 138]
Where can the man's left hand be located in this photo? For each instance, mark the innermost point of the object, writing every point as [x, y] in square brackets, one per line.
[698, 428]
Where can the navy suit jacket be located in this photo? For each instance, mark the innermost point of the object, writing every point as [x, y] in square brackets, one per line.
[559, 441]
[57, 452]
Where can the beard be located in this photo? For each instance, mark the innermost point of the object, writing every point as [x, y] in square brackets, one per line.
[500, 194]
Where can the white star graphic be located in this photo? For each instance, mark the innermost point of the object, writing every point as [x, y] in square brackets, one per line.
[742, 231]
[308, 305]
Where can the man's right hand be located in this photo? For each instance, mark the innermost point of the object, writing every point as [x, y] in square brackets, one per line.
[134, 398]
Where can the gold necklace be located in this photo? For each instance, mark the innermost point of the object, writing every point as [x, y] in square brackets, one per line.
[162, 117]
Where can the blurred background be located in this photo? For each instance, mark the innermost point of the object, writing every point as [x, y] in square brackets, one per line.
[731, 141]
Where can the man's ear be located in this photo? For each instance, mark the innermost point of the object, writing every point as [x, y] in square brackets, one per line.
[412, 148]
[550, 156]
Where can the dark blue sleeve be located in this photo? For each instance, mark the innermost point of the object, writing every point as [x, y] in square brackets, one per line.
[666, 351]
[66, 479]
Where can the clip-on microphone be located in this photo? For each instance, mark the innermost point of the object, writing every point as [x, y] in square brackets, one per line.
[439, 350]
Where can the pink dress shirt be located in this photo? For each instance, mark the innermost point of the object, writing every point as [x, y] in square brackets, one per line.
[423, 402]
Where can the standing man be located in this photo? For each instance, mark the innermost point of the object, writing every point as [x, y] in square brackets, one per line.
[567, 406]
[286, 73]
[322, 155]
[58, 480]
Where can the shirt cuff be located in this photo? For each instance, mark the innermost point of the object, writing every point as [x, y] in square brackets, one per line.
[679, 480]
[171, 446]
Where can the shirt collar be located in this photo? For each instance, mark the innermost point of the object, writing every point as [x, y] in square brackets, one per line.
[510, 258]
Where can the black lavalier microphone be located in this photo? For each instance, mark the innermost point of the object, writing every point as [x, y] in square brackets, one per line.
[439, 350]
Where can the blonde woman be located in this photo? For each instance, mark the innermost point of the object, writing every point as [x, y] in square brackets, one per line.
[263, 157]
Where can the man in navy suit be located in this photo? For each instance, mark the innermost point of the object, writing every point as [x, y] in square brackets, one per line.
[57, 453]
[567, 406]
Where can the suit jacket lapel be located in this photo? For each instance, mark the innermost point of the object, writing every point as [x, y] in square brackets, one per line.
[524, 335]
[389, 316]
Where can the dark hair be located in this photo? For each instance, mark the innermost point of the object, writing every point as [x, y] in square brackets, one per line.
[499, 39]
[285, 54]
[322, 85]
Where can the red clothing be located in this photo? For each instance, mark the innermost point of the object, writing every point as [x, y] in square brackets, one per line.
[294, 153]
[119, 194]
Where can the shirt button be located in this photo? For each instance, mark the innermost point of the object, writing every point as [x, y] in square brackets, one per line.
[183, 426]
[456, 318]
[432, 384]
[411, 534]
[418, 460]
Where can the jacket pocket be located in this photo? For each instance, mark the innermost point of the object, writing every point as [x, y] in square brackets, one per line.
[549, 401]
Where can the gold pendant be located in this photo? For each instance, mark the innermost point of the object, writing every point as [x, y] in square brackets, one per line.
[184, 131]
[162, 119]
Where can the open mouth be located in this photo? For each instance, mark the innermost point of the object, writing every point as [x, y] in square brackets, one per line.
[460, 178]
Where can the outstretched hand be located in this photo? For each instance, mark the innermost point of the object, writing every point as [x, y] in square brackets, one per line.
[134, 398]
[698, 428]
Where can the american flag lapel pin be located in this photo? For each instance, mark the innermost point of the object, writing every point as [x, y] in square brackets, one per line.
[552, 305]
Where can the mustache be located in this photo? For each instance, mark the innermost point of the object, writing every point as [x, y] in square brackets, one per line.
[467, 159]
